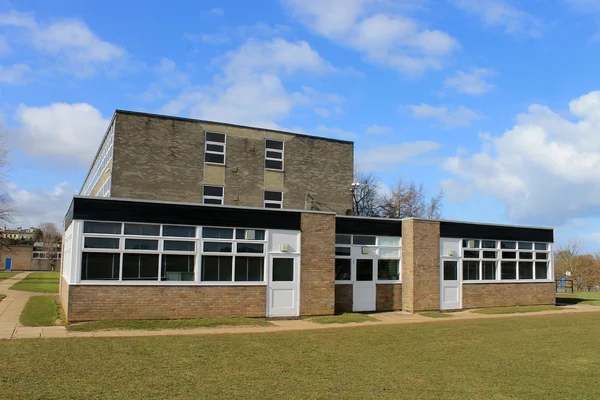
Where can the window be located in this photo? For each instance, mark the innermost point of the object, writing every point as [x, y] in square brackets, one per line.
[384, 266]
[101, 243]
[217, 247]
[249, 269]
[526, 270]
[364, 270]
[388, 270]
[508, 270]
[273, 199]
[489, 270]
[142, 229]
[342, 251]
[541, 270]
[283, 269]
[216, 268]
[99, 266]
[342, 269]
[177, 267]
[364, 240]
[471, 270]
[274, 154]
[179, 231]
[108, 228]
[142, 267]
[250, 234]
[141, 244]
[212, 194]
[343, 239]
[179, 245]
[214, 151]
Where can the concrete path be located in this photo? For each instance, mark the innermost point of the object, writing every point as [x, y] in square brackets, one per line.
[11, 306]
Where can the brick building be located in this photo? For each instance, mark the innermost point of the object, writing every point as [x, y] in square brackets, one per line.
[147, 241]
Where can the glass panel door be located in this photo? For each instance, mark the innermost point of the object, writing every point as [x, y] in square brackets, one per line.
[364, 270]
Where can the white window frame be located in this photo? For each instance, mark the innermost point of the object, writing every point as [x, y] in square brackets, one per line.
[221, 198]
[208, 142]
[265, 201]
[282, 152]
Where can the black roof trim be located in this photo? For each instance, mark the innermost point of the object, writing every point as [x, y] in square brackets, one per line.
[464, 230]
[368, 226]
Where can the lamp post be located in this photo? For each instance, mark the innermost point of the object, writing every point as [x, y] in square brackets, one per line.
[355, 186]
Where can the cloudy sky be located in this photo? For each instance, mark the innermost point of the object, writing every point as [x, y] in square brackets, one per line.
[497, 102]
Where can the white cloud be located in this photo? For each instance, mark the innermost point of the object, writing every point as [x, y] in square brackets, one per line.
[379, 130]
[62, 131]
[460, 116]
[472, 82]
[77, 49]
[215, 38]
[585, 6]
[388, 157]
[38, 205]
[337, 133]
[14, 74]
[545, 168]
[383, 38]
[217, 11]
[4, 46]
[499, 13]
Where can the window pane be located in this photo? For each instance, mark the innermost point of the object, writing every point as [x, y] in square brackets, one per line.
[525, 246]
[526, 256]
[343, 239]
[101, 243]
[450, 270]
[274, 154]
[213, 201]
[342, 269]
[249, 269]
[177, 267]
[471, 244]
[215, 137]
[275, 196]
[216, 191]
[509, 254]
[141, 244]
[541, 246]
[489, 270]
[140, 266]
[217, 247]
[99, 266]
[142, 229]
[342, 251]
[389, 241]
[471, 254]
[541, 270]
[273, 205]
[283, 269]
[250, 234]
[541, 256]
[176, 245]
[389, 252]
[364, 240]
[525, 270]
[508, 245]
[364, 270]
[508, 270]
[489, 254]
[179, 231]
[388, 270]
[215, 147]
[274, 144]
[217, 268]
[102, 227]
[214, 158]
[471, 270]
[273, 164]
[488, 244]
[217, 233]
[250, 248]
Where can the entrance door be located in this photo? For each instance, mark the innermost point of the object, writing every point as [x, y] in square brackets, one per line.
[284, 287]
[8, 265]
[450, 285]
[364, 285]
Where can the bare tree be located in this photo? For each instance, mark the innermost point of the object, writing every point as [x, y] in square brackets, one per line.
[407, 199]
[51, 238]
[365, 198]
[584, 269]
[6, 209]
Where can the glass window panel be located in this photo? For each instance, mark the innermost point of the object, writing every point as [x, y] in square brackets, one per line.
[471, 270]
[389, 241]
[509, 254]
[111, 228]
[471, 244]
[525, 256]
[217, 268]
[217, 233]
[249, 269]
[525, 270]
[142, 229]
[215, 137]
[216, 191]
[176, 267]
[140, 267]
[178, 245]
[508, 245]
[364, 270]
[274, 196]
[541, 246]
[541, 256]
[275, 154]
[389, 252]
[488, 244]
[388, 270]
[271, 164]
[179, 231]
[141, 244]
[489, 270]
[250, 248]
[99, 266]
[274, 144]
[212, 201]
[273, 205]
[219, 148]
[471, 254]
[364, 240]
[508, 270]
[214, 158]
[217, 247]
[343, 239]
[342, 251]
[489, 254]
[283, 269]
[525, 246]
[342, 269]
[541, 270]
[101, 243]
[450, 270]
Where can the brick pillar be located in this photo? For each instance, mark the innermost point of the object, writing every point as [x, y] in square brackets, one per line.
[420, 265]
[317, 269]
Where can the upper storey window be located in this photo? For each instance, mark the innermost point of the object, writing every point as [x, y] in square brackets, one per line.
[274, 154]
[214, 151]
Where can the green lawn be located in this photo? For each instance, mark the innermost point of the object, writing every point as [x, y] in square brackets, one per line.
[436, 314]
[341, 319]
[41, 282]
[539, 357]
[167, 324]
[592, 298]
[6, 275]
[39, 311]
[516, 310]
[2, 296]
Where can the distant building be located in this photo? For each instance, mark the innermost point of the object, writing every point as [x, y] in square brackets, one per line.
[18, 233]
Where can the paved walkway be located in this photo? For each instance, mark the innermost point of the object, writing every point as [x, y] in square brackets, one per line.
[11, 306]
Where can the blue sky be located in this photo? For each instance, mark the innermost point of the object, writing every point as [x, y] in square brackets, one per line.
[496, 102]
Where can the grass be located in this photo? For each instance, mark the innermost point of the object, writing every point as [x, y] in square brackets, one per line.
[516, 310]
[435, 314]
[2, 296]
[6, 275]
[166, 324]
[341, 319]
[592, 298]
[40, 282]
[39, 311]
[542, 356]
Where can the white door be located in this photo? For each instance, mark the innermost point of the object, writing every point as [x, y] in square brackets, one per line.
[283, 291]
[364, 290]
[450, 293]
